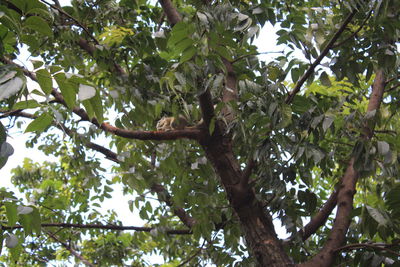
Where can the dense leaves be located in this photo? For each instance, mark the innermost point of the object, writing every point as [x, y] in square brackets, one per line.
[290, 138]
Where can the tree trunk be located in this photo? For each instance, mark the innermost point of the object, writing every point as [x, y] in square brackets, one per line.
[255, 221]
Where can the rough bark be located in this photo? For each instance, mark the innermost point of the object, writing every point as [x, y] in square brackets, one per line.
[254, 219]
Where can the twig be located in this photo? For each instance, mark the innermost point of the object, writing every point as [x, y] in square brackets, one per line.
[392, 88]
[72, 18]
[354, 33]
[366, 245]
[194, 255]
[71, 250]
[324, 52]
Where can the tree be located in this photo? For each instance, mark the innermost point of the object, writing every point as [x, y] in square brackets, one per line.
[311, 142]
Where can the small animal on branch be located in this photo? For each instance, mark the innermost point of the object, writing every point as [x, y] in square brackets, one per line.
[172, 123]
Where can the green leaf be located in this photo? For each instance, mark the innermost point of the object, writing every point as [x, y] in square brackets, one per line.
[44, 80]
[37, 64]
[26, 222]
[67, 89]
[40, 123]
[180, 31]
[188, 54]
[183, 45]
[1, 240]
[286, 118]
[97, 106]
[3, 133]
[376, 215]
[36, 221]
[89, 108]
[223, 52]
[11, 213]
[324, 78]
[26, 104]
[38, 24]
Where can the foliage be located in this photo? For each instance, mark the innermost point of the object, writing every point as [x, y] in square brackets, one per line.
[270, 139]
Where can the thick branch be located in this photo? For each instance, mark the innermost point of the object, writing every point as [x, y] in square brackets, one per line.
[104, 227]
[71, 250]
[324, 52]
[172, 14]
[207, 108]
[320, 218]
[348, 187]
[230, 92]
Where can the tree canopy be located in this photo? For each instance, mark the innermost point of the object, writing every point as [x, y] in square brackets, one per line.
[211, 143]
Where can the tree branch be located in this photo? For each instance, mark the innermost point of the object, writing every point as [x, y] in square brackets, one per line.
[72, 18]
[71, 250]
[354, 33]
[172, 14]
[348, 187]
[90, 49]
[104, 227]
[320, 218]
[188, 220]
[324, 52]
[378, 246]
[256, 222]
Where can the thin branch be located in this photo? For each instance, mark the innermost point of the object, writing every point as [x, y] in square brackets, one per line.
[324, 52]
[71, 250]
[163, 194]
[394, 87]
[392, 79]
[72, 18]
[90, 49]
[378, 246]
[194, 255]
[354, 33]
[104, 227]
[21, 114]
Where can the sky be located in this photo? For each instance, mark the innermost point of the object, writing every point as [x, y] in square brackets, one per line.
[265, 42]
